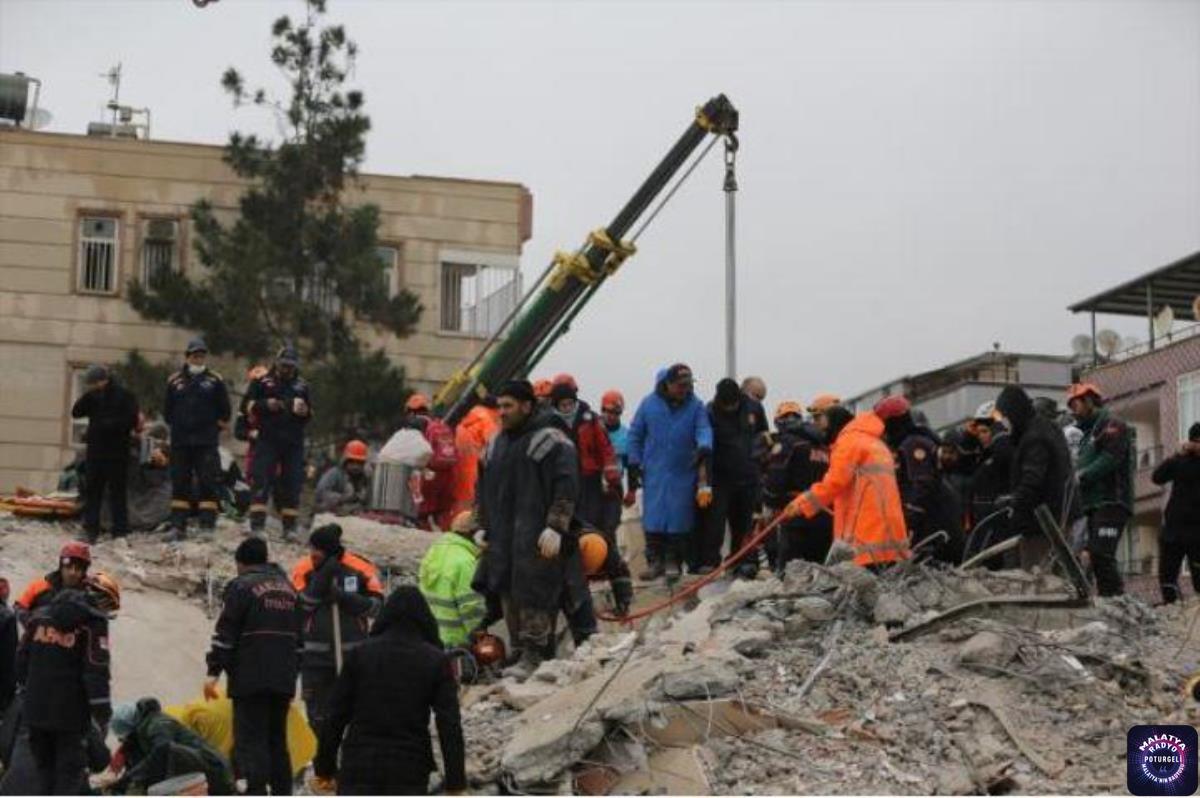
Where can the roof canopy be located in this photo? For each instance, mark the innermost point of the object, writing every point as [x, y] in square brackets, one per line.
[1177, 285]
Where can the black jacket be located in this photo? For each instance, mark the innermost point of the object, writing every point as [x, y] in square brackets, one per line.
[194, 406]
[738, 438]
[63, 664]
[992, 479]
[1181, 521]
[1041, 471]
[385, 693]
[353, 583]
[112, 414]
[160, 747]
[8, 656]
[257, 638]
[280, 426]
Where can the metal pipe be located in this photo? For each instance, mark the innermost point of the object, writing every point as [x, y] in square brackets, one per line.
[731, 187]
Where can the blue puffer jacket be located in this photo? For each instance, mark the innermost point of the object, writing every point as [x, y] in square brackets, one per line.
[666, 441]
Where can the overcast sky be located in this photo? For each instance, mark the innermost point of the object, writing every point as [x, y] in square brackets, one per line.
[918, 180]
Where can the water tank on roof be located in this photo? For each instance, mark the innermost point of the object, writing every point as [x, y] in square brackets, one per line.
[14, 97]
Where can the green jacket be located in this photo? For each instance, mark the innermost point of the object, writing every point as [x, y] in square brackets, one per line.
[1106, 463]
[445, 580]
[161, 747]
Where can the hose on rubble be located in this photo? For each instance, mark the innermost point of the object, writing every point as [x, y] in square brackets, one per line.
[730, 561]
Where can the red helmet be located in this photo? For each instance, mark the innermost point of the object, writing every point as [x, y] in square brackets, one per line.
[564, 379]
[75, 550]
[892, 407]
[488, 650]
[356, 451]
[1082, 389]
[613, 400]
[416, 403]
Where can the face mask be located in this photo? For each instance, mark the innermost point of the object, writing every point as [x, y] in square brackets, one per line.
[195, 370]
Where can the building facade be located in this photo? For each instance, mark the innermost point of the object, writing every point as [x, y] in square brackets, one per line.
[81, 215]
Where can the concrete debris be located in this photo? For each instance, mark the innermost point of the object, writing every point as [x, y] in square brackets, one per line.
[704, 679]
[988, 648]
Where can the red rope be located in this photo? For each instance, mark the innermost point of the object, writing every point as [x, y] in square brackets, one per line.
[730, 561]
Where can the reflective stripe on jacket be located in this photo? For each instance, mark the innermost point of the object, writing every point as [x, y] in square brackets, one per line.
[445, 580]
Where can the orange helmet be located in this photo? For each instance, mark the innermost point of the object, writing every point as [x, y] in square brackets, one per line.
[892, 407]
[416, 403]
[488, 650]
[788, 408]
[822, 402]
[256, 372]
[356, 451]
[1082, 389]
[106, 592]
[542, 389]
[565, 379]
[593, 550]
[613, 400]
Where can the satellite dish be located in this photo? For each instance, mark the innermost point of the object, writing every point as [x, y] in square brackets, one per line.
[1109, 342]
[1163, 321]
[1081, 345]
[1196, 308]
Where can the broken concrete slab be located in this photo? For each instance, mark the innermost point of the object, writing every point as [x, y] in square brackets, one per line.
[988, 648]
[672, 771]
[706, 678]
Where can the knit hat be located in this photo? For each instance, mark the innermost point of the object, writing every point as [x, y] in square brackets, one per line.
[837, 417]
[251, 551]
[728, 392]
[562, 391]
[407, 611]
[327, 539]
[95, 373]
[1194, 432]
[1015, 405]
[521, 390]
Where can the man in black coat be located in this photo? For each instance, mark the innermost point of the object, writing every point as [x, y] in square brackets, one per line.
[798, 459]
[384, 696]
[1041, 473]
[282, 403]
[528, 483]
[112, 414]
[1181, 522]
[256, 644]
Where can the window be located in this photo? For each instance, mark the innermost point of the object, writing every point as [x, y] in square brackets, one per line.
[389, 258]
[321, 292]
[98, 255]
[78, 425]
[476, 298]
[1189, 402]
[160, 249]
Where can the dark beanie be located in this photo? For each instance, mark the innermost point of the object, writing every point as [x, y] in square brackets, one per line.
[728, 391]
[1015, 405]
[521, 390]
[328, 539]
[1194, 432]
[251, 551]
[837, 417]
[563, 390]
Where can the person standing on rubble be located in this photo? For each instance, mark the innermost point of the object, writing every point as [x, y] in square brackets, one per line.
[1107, 458]
[755, 388]
[798, 460]
[74, 560]
[860, 490]
[283, 406]
[196, 409]
[256, 644]
[990, 479]
[445, 577]
[112, 414]
[331, 580]
[437, 482]
[599, 472]
[1041, 474]
[738, 430]
[528, 483]
[670, 443]
[1180, 537]
[471, 437]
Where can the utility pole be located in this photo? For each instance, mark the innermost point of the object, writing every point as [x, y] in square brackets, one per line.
[731, 188]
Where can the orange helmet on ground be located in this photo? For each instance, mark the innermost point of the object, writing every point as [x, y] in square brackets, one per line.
[788, 408]
[892, 407]
[593, 550]
[488, 650]
[1081, 389]
[542, 389]
[356, 451]
[613, 400]
[106, 592]
[416, 403]
[822, 402]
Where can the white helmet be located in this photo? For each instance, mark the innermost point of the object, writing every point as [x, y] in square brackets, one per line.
[985, 412]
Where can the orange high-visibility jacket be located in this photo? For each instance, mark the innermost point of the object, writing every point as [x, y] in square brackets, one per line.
[471, 437]
[860, 488]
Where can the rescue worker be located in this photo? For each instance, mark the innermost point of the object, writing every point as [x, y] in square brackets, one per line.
[345, 488]
[445, 576]
[156, 747]
[755, 388]
[819, 406]
[63, 665]
[990, 480]
[798, 459]
[599, 472]
[196, 409]
[470, 438]
[957, 460]
[612, 407]
[1041, 474]
[74, 559]
[670, 443]
[1180, 537]
[528, 484]
[246, 426]
[437, 483]
[379, 710]
[1107, 459]
[112, 414]
[541, 392]
[738, 429]
[256, 645]
[860, 490]
[8, 649]
[331, 579]
[283, 406]
[929, 507]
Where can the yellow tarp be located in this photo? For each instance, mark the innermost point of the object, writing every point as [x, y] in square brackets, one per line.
[213, 720]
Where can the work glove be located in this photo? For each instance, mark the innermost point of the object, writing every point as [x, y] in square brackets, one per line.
[704, 497]
[212, 690]
[549, 543]
[322, 785]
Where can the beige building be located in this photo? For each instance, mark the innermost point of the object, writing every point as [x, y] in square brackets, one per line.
[82, 215]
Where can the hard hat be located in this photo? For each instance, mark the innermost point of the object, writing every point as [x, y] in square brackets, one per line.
[822, 402]
[488, 650]
[1082, 389]
[106, 591]
[356, 451]
[788, 408]
[564, 379]
[416, 402]
[892, 407]
[612, 400]
[256, 372]
[985, 412]
[75, 550]
[593, 550]
[196, 345]
[542, 389]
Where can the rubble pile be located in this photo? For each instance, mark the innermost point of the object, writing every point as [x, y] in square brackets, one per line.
[835, 680]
